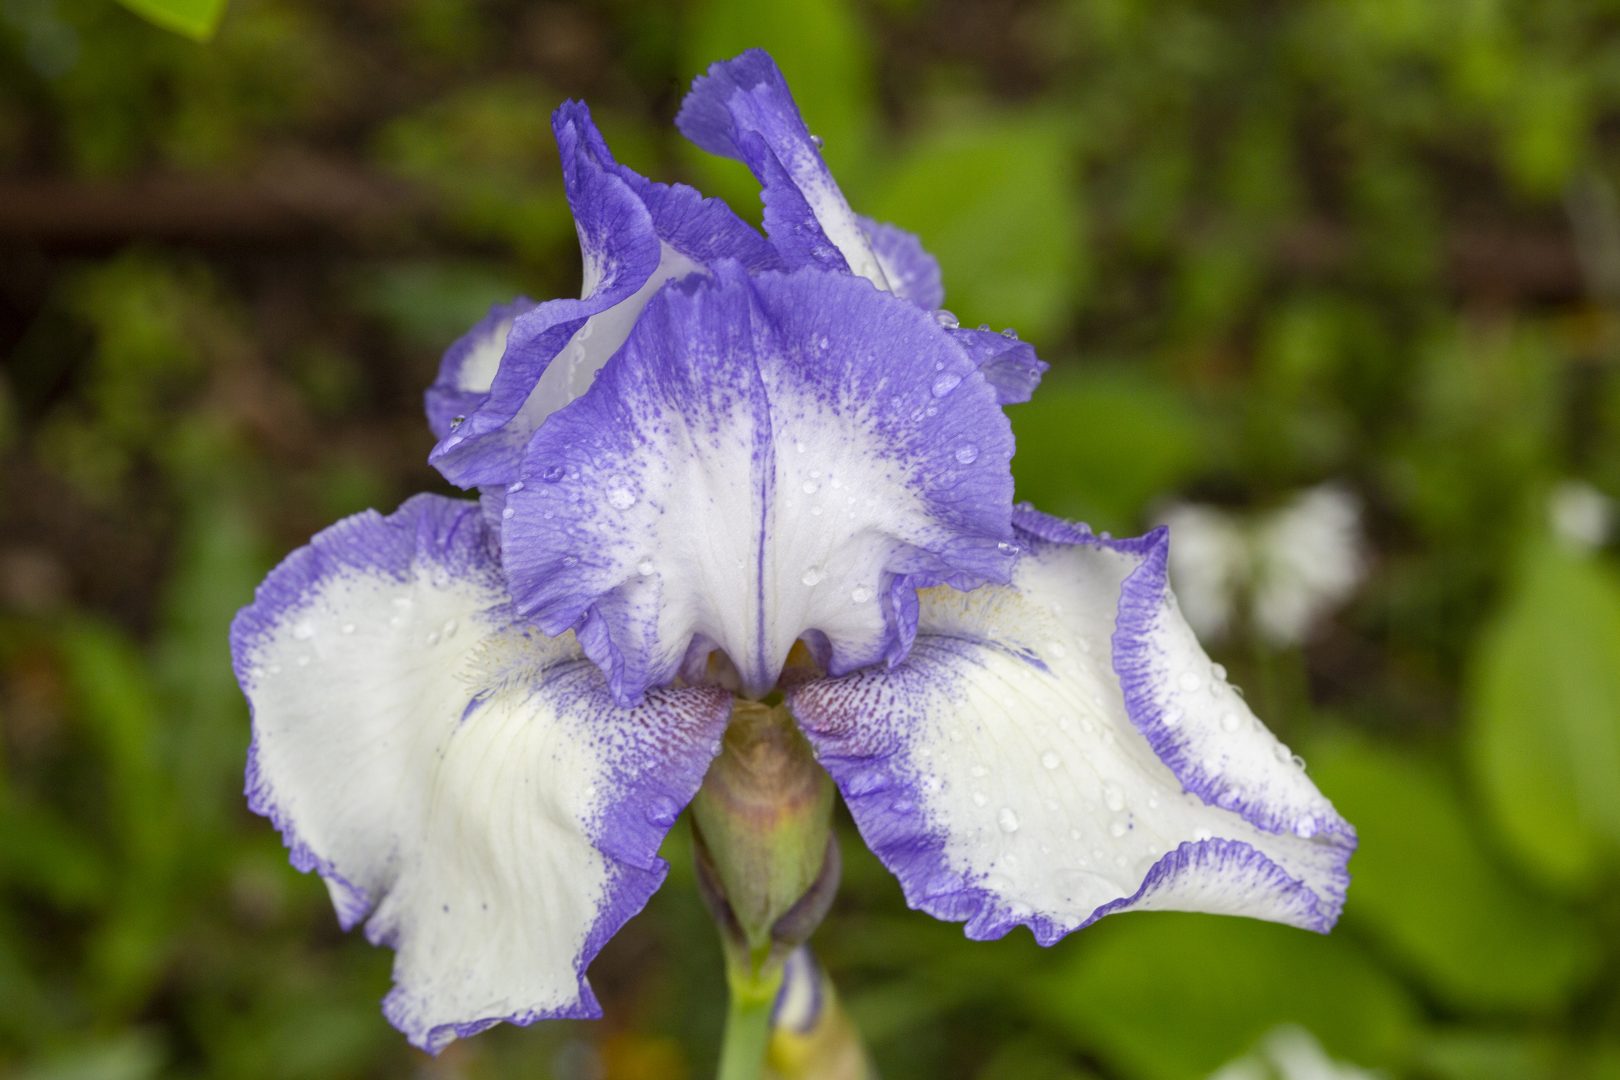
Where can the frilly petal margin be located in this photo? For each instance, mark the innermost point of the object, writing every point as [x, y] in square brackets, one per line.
[466, 782]
[468, 368]
[742, 109]
[769, 457]
[1002, 772]
[1010, 366]
[634, 235]
[911, 272]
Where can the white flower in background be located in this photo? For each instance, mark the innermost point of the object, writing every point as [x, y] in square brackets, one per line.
[1291, 1053]
[1284, 568]
[1581, 515]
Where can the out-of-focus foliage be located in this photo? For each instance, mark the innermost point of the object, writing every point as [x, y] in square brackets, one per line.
[1263, 246]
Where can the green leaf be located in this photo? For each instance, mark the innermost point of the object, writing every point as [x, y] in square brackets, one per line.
[196, 19]
[1543, 716]
[1425, 885]
[994, 199]
[1172, 996]
[1099, 446]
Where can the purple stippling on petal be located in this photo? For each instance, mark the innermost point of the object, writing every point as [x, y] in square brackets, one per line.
[762, 459]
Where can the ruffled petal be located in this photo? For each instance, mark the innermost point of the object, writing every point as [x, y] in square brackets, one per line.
[742, 109]
[465, 782]
[1010, 366]
[1034, 762]
[912, 273]
[768, 457]
[468, 368]
[634, 235]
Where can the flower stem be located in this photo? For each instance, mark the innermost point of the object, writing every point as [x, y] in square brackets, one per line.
[748, 1021]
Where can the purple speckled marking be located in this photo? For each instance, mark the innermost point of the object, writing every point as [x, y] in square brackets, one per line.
[697, 366]
[913, 273]
[864, 729]
[656, 755]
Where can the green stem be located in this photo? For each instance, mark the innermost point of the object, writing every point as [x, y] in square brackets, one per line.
[748, 1023]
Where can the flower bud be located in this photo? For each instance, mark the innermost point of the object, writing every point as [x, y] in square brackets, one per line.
[765, 852]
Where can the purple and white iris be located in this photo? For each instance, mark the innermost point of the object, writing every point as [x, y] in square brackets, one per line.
[477, 720]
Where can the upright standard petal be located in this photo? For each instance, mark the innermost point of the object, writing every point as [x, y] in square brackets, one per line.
[1037, 761]
[743, 109]
[466, 782]
[767, 458]
[634, 235]
[468, 368]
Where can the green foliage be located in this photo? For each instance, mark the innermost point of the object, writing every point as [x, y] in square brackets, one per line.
[1544, 715]
[194, 18]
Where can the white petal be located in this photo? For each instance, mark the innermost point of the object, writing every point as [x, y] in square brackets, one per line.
[1008, 776]
[466, 782]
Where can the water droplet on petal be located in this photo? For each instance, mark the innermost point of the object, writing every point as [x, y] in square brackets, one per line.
[514, 487]
[946, 383]
[1218, 670]
[861, 594]
[304, 630]
[1050, 760]
[1010, 334]
[621, 497]
[450, 628]
[811, 487]
[1306, 826]
[348, 628]
[980, 798]
[946, 319]
[1189, 681]
[1230, 721]
[1113, 797]
[645, 568]
[552, 473]
[1007, 548]
[507, 513]
[1057, 650]
[1118, 828]
[1007, 819]
[813, 576]
[817, 141]
[967, 453]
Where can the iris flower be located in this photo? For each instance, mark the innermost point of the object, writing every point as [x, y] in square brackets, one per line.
[478, 720]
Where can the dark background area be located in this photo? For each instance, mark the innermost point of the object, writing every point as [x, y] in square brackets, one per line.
[1263, 246]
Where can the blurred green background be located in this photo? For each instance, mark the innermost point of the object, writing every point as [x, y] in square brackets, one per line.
[1262, 244]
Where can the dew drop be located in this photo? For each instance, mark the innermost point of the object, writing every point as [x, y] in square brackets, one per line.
[1281, 753]
[1230, 721]
[979, 770]
[946, 383]
[304, 630]
[813, 576]
[450, 628]
[1118, 828]
[1113, 798]
[508, 513]
[1010, 334]
[514, 487]
[1007, 547]
[1189, 681]
[1300, 762]
[817, 141]
[1050, 760]
[552, 473]
[621, 498]
[947, 319]
[1305, 826]
[348, 628]
[1007, 819]
[1218, 670]
[1056, 650]
[433, 637]
[457, 421]
[645, 568]
[664, 811]
[980, 798]
[861, 594]
[967, 453]
[811, 487]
